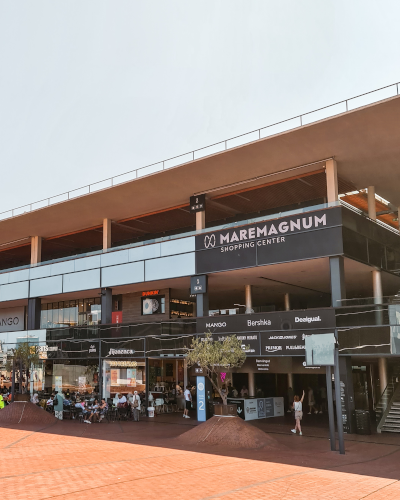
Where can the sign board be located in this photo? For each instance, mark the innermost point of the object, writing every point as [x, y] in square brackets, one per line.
[198, 284]
[197, 203]
[250, 409]
[298, 237]
[201, 399]
[320, 349]
[284, 321]
[12, 319]
[116, 317]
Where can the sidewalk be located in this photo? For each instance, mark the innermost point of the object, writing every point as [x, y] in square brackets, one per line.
[142, 460]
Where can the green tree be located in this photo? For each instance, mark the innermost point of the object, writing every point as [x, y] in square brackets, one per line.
[216, 357]
[24, 355]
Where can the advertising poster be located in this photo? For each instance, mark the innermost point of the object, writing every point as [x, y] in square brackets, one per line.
[269, 407]
[279, 409]
[250, 409]
[261, 408]
[82, 383]
[114, 376]
[58, 383]
[131, 377]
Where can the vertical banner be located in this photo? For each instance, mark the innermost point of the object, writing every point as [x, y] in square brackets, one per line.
[201, 399]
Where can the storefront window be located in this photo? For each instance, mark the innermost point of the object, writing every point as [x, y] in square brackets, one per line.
[166, 375]
[75, 376]
[123, 376]
[71, 313]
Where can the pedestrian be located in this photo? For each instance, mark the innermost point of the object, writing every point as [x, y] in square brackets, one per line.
[135, 406]
[311, 401]
[188, 402]
[58, 404]
[244, 392]
[298, 413]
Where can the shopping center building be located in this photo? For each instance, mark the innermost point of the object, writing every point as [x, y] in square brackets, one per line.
[284, 232]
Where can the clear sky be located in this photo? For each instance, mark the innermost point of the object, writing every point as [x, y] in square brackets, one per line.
[94, 88]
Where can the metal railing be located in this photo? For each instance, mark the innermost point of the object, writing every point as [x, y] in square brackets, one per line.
[291, 123]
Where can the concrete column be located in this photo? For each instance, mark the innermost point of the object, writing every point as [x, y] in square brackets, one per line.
[331, 181]
[377, 286]
[338, 287]
[106, 306]
[371, 203]
[383, 374]
[185, 374]
[106, 234]
[378, 299]
[200, 220]
[252, 388]
[290, 381]
[34, 311]
[248, 299]
[287, 301]
[36, 250]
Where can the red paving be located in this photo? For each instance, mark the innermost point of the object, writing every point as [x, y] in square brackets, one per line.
[142, 460]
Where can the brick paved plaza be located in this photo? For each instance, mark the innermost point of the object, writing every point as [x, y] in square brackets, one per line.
[143, 460]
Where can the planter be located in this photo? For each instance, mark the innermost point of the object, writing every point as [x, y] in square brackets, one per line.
[22, 397]
[228, 410]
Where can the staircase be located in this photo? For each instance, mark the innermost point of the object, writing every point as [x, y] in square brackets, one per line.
[388, 408]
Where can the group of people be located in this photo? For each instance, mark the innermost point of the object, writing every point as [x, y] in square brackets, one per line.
[92, 407]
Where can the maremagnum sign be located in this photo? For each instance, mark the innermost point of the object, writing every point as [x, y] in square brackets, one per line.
[302, 236]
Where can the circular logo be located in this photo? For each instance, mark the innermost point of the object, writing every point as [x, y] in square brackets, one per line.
[201, 386]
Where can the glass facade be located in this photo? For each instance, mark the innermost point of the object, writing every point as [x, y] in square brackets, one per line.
[74, 376]
[123, 376]
[69, 313]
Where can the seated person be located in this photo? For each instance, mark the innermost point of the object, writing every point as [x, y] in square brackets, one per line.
[103, 408]
[121, 401]
[50, 404]
[94, 413]
[67, 401]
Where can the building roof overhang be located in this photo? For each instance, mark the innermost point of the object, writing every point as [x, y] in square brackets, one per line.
[365, 143]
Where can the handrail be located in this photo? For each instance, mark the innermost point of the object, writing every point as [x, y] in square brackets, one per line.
[390, 396]
[190, 156]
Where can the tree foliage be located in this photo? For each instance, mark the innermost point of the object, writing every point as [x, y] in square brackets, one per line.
[215, 358]
[25, 354]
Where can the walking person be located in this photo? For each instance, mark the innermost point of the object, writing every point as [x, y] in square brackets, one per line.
[188, 402]
[298, 413]
[135, 406]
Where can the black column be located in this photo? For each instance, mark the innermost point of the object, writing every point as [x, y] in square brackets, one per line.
[106, 306]
[202, 305]
[34, 309]
[347, 394]
[338, 287]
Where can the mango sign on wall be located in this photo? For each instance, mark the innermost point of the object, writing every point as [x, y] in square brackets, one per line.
[12, 319]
